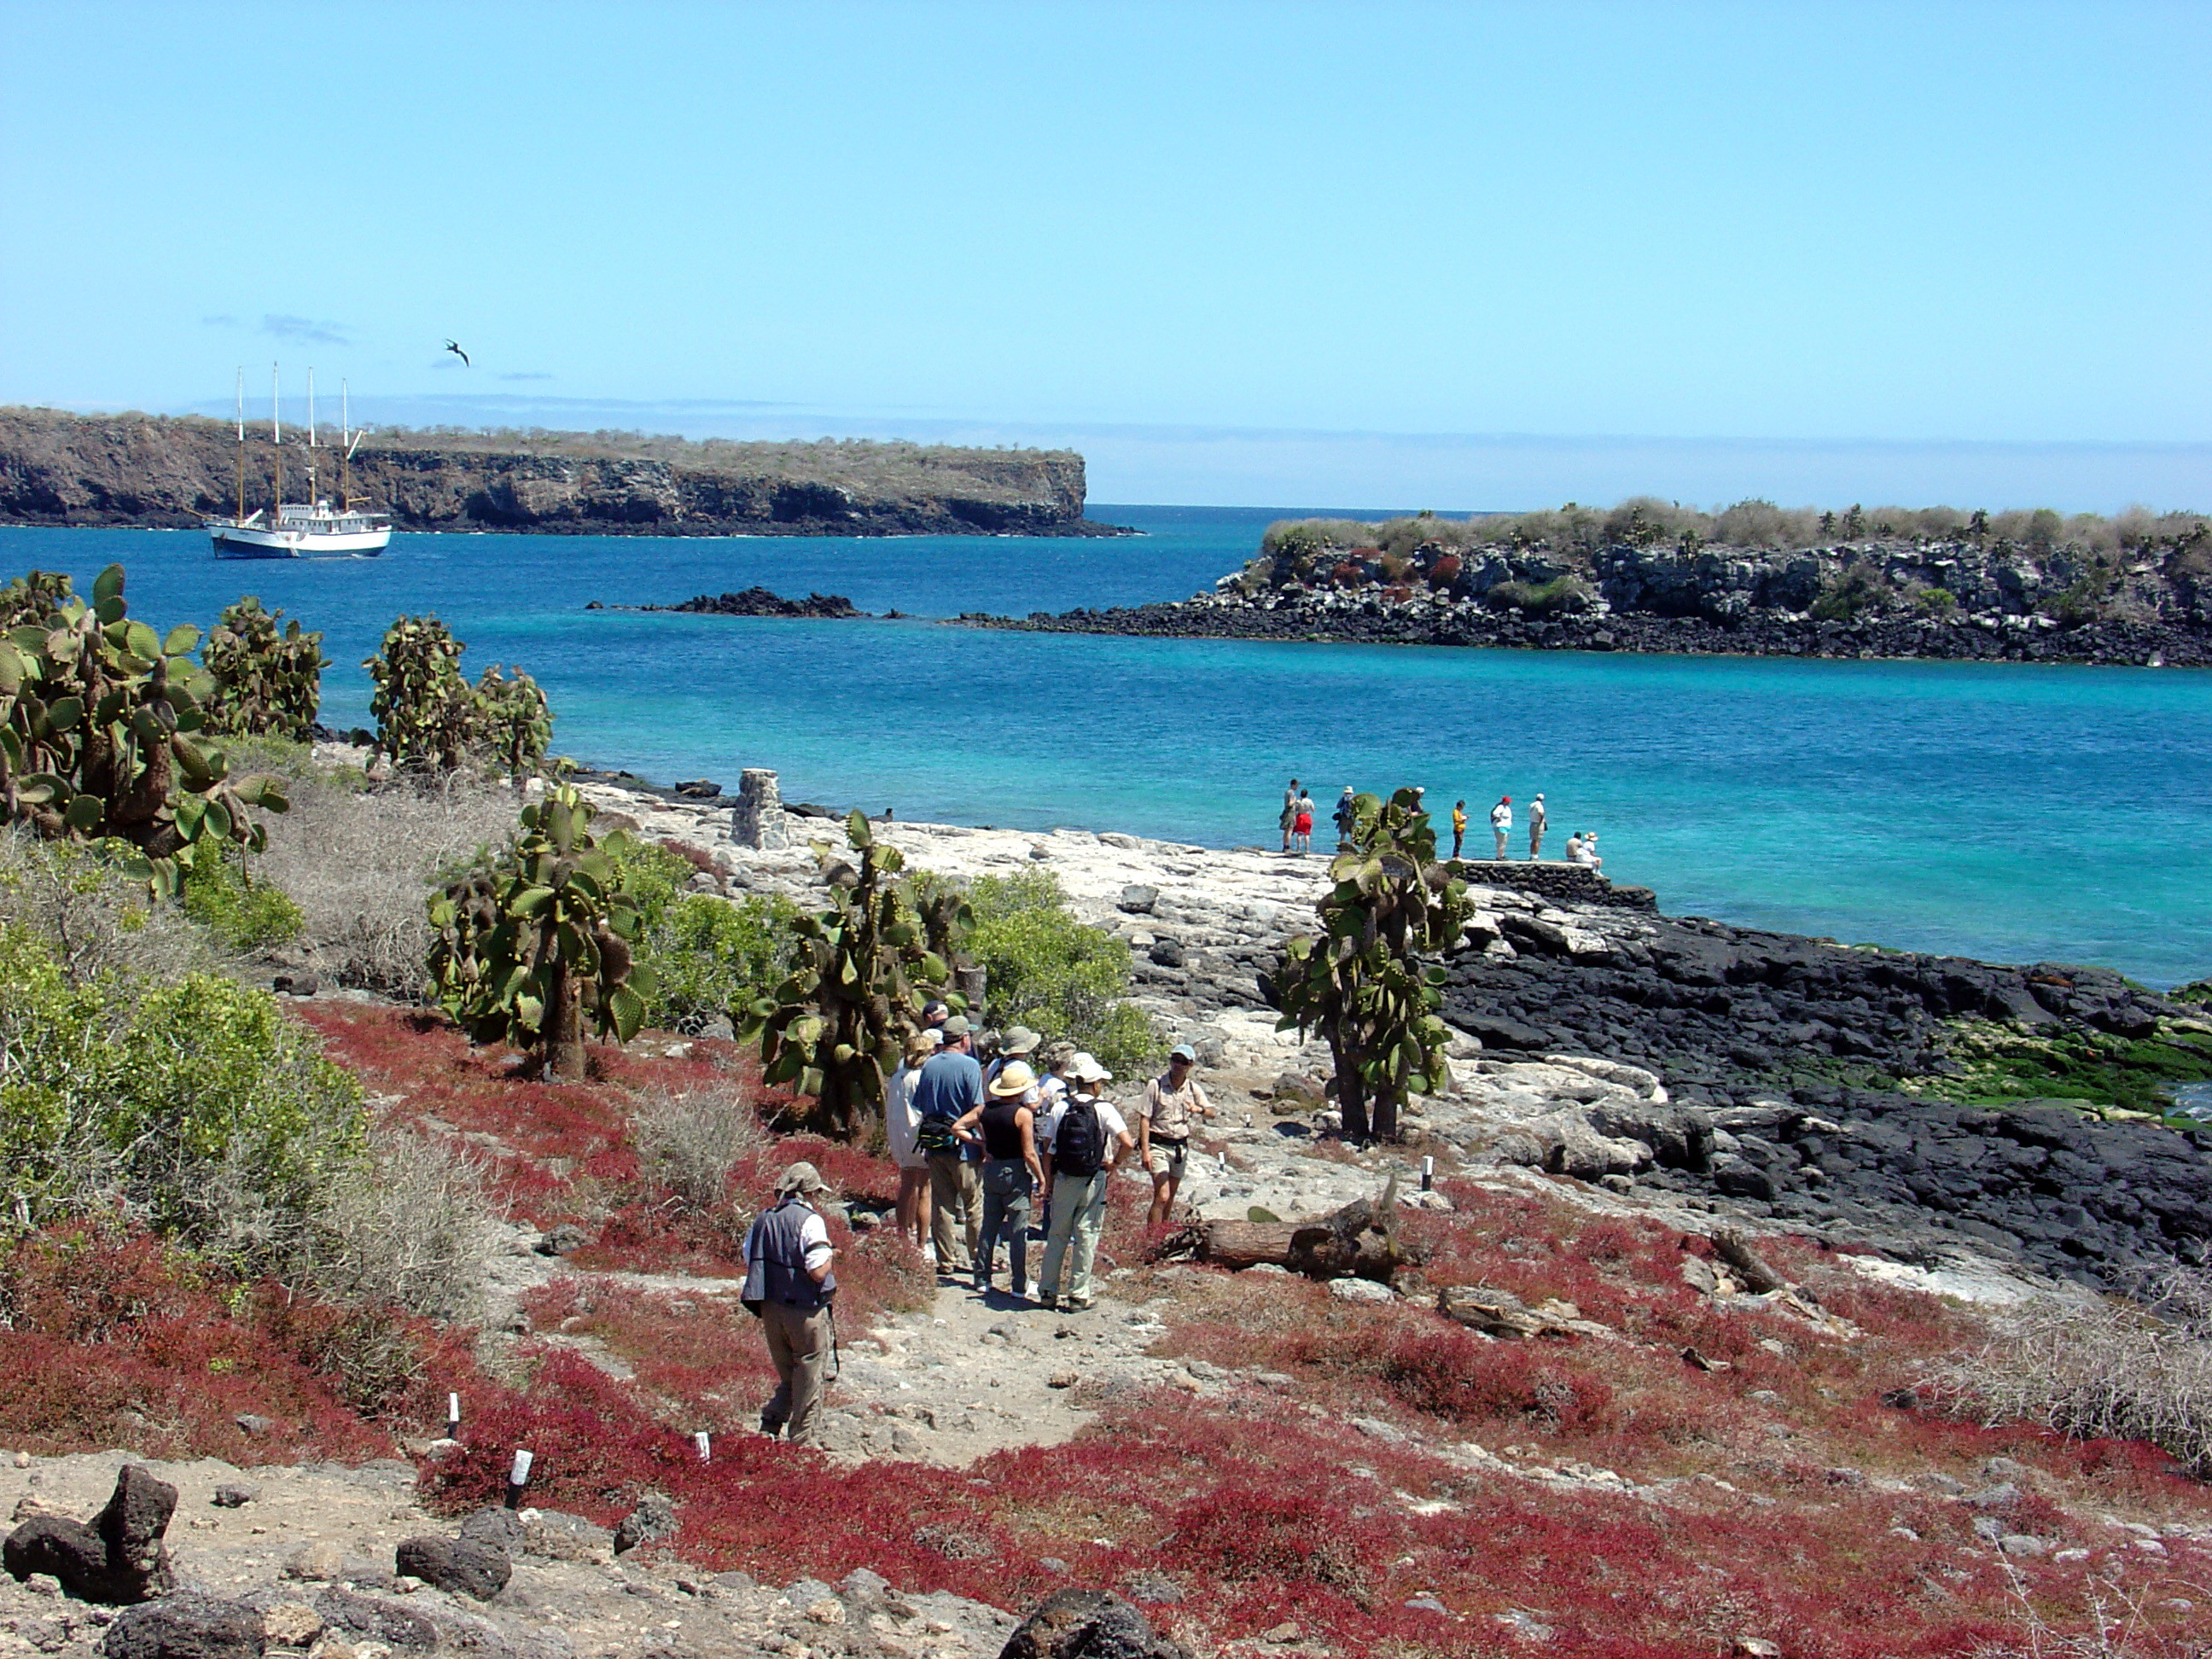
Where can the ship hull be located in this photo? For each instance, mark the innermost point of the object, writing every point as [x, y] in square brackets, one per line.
[232, 542]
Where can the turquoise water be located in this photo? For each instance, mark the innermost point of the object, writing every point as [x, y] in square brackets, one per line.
[2010, 812]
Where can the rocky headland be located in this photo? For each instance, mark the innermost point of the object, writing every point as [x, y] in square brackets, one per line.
[1612, 585]
[164, 471]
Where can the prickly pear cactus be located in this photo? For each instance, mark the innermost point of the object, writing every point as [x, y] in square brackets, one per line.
[534, 940]
[425, 712]
[266, 683]
[100, 718]
[514, 725]
[834, 1029]
[1369, 982]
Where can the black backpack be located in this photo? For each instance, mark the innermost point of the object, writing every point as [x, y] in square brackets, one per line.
[1078, 1145]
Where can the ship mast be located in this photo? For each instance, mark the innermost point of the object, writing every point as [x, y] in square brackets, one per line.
[312, 497]
[275, 453]
[345, 451]
[242, 445]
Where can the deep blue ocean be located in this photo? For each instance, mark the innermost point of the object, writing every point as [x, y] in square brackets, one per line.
[2010, 812]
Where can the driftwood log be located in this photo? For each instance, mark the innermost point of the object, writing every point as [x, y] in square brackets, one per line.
[1360, 1241]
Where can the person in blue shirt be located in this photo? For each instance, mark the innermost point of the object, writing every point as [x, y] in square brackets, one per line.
[951, 1087]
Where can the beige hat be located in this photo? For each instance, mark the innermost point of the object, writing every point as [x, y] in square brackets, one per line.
[1014, 1077]
[801, 1178]
[1019, 1040]
[1088, 1070]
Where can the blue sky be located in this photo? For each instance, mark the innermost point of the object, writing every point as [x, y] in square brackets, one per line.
[1455, 256]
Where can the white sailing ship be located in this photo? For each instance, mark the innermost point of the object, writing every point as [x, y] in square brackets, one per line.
[296, 530]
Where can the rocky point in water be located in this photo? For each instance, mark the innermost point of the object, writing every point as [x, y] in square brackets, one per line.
[758, 601]
[1610, 587]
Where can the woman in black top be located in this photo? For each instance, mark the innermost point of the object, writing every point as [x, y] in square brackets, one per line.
[1005, 1126]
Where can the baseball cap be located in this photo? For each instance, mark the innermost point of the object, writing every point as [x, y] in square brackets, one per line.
[1183, 1051]
[955, 1028]
[1088, 1070]
[801, 1178]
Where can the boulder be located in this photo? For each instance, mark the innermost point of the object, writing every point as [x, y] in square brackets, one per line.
[461, 1566]
[366, 1619]
[1080, 1623]
[120, 1558]
[653, 1517]
[186, 1627]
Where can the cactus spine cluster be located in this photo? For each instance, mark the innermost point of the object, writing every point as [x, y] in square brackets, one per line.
[1366, 982]
[537, 939]
[266, 683]
[98, 721]
[835, 1029]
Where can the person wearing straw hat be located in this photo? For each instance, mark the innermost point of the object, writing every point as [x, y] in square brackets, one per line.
[1003, 1127]
[1088, 1139]
[789, 1282]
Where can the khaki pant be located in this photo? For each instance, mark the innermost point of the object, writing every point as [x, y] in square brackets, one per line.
[799, 1344]
[1078, 1211]
[954, 1201]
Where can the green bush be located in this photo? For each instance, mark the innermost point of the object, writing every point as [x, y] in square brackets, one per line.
[243, 914]
[710, 955]
[715, 957]
[1561, 593]
[196, 1107]
[1050, 972]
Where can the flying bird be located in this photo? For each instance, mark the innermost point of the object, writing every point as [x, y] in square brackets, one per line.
[453, 346]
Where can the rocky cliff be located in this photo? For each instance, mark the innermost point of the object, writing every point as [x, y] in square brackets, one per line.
[61, 469]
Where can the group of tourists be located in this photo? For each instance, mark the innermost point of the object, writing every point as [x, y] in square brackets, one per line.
[1298, 821]
[991, 1152]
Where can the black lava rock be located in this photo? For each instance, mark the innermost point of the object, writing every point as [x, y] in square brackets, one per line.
[119, 1559]
[186, 1627]
[463, 1567]
[1080, 1623]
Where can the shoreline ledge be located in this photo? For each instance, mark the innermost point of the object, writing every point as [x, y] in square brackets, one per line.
[1671, 1066]
[1371, 621]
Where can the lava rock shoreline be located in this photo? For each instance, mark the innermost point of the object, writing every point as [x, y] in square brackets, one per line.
[1373, 621]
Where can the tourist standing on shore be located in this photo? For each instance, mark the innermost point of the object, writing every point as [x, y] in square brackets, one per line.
[1004, 1128]
[902, 1128]
[1459, 826]
[1303, 829]
[1347, 814]
[789, 1283]
[1088, 1138]
[1537, 819]
[1290, 819]
[1172, 1101]
[1501, 822]
[951, 1086]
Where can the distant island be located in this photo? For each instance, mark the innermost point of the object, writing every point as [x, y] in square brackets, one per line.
[1650, 576]
[167, 471]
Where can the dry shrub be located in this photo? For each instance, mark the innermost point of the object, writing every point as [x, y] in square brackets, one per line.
[688, 1143]
[407, 1227]
[2102, 1371]
[359, 864]
[95, 919]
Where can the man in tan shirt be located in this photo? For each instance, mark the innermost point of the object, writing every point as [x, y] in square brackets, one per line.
[1167, 1118]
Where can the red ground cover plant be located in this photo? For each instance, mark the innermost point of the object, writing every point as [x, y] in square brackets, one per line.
[113, 1338]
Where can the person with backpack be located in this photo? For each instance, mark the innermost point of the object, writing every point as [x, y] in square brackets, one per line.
[1088, 1138]
[1003, 1127]
[789, 1283]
